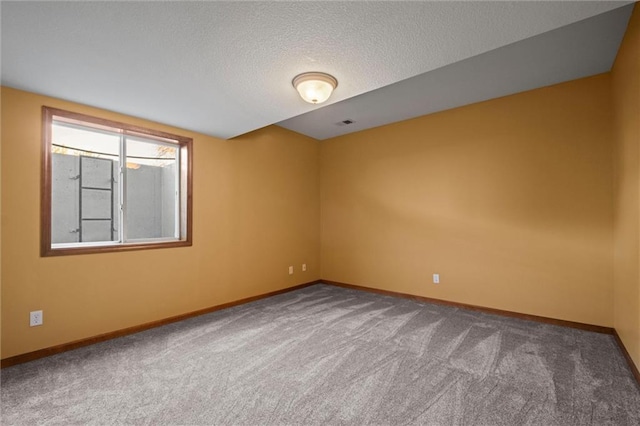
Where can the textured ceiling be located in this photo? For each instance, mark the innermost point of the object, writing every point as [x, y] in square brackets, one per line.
[578, 50]
[225, 68]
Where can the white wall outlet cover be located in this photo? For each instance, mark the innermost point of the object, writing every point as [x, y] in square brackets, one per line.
[436, 278]
[304, 267]
[35, 318]
[290, 270]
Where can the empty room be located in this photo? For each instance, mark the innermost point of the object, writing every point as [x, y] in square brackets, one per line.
[320, 212]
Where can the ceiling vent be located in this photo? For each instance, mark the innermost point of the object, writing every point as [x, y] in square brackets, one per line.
[344, 122]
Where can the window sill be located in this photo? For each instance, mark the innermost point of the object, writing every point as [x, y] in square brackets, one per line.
[76, 249]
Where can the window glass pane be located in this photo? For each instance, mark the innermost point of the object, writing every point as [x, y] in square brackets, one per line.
[151, 189]
[96, 230]
[84, 190]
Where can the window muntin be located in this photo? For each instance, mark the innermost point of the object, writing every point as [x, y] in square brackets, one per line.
[110, 186]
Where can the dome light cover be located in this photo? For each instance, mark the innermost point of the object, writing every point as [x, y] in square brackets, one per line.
[314, 87]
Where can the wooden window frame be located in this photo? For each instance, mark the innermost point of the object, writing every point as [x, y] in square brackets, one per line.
[186, 186]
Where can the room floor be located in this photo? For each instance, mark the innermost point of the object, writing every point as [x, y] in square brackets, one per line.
[327, 355]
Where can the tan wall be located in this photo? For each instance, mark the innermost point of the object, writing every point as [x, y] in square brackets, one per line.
[626, 96]
[256, 212]
[508, 200]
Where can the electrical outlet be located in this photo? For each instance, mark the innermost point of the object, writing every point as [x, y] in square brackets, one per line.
[35, 318]
[290, 270]
[304, 267]
[436, 278]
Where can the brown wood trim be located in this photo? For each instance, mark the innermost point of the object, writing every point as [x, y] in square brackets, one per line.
[186, 150]
[115, 248]
[511, 314]
[45, 183]
[632, 365]
[79, 118]
[186, 179]
[41, 353]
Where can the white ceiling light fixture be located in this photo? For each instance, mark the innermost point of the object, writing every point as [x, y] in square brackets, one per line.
[315, 87]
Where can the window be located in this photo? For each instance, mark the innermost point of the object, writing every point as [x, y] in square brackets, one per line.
[109, 186]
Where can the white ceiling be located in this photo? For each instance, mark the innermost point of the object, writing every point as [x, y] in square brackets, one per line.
[578, 50]
[225, 68]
